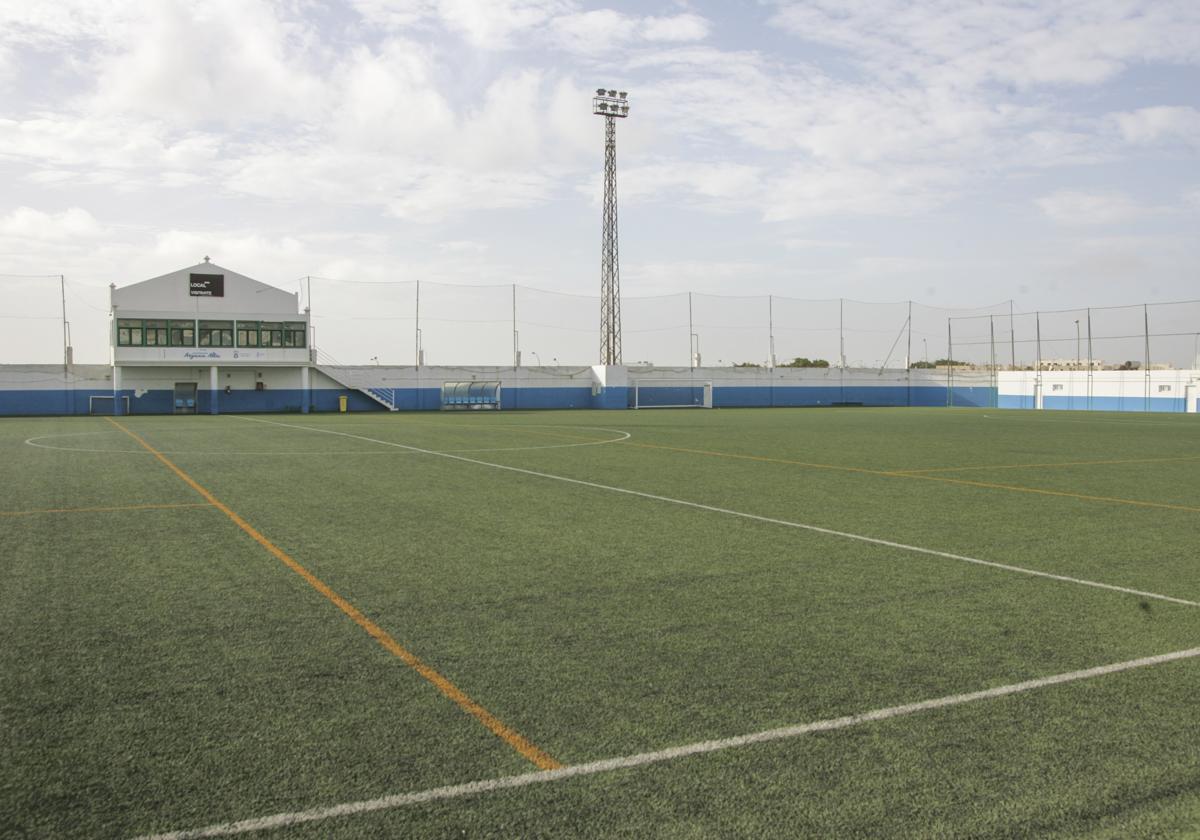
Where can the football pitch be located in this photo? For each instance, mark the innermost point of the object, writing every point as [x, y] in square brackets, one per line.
[843, 622]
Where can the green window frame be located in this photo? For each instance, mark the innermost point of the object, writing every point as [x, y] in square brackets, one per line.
[129, 332]
[154, 333]
[183, 333]
[271, 334]
[247, 333]
[294, 333]
[215, 334]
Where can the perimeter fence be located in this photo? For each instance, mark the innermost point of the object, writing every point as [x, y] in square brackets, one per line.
[389, 322]
[1140, 337]
[490, 325]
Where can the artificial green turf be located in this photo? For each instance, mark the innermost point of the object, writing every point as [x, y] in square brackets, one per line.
[167, 672]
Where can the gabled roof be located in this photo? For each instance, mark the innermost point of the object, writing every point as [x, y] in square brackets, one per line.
[172, 292]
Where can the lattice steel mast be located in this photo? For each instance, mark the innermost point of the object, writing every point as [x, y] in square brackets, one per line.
[610, 104]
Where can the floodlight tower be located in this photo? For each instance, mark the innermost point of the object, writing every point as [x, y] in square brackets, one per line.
[611, 105]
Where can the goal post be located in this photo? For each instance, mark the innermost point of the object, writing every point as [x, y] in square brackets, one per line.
[672, 393]
[471, 396]
[105, 405]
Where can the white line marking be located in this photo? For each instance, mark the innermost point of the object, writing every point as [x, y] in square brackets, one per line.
[755, 517]
[641, 759]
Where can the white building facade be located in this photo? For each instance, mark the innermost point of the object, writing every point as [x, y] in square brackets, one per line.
[204, 339]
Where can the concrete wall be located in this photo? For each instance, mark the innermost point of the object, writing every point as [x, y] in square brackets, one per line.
[1102, 390]
[46, 389]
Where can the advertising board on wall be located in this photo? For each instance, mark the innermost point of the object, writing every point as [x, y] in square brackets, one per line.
[206, 285]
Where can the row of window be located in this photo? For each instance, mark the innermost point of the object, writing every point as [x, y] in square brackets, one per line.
[137, 332]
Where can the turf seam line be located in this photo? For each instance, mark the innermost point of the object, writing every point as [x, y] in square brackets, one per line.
[507, 734]
[757, 518]
[646, 758]
[109, 509]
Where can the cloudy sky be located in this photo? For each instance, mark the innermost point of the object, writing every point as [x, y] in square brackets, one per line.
[956, 153]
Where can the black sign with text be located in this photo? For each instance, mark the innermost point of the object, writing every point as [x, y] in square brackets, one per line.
[206, 285]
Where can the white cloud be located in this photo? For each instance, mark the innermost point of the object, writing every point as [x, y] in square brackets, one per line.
[806, 191]
[715, 184]
[685, 27]
[442, 192]
[605, 31]
[389, 101]
[28, 223]
[1020, 43]
[224, 61]
[485, 24]
[1160, 123]
[1071, 207]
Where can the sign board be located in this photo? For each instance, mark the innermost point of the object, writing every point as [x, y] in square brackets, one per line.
[206, 285]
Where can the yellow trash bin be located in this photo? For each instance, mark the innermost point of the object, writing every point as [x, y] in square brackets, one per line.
[342, 400]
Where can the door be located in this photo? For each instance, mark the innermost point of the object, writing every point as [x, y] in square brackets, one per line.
[185, 397]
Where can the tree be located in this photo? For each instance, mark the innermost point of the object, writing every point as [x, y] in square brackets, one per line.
[747, 364]
[922, 365]
[803, 362]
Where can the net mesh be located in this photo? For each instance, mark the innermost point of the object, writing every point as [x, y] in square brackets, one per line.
[467, 325]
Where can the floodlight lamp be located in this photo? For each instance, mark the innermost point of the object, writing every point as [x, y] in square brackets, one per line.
[600, 91]
[603, 106]
[624, 109]
[612, 93]
[622, 94]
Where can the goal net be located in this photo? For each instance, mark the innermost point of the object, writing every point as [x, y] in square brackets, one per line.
[105, 405]
[672, 393]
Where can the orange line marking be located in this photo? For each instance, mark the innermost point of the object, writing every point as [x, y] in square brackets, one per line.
[510, 736]
[902, 474]
[103, 509]
[1083, 496]
[1055, 464]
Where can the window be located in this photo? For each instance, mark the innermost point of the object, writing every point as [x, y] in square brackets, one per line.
[155, 333]
[1163, 389]
[126, 329]
[271, 334]
[215, 333]
[183, 333]
[293, 334]
[247, 333]
[1056, 387]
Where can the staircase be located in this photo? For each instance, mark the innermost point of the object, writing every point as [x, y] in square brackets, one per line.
[353, 377]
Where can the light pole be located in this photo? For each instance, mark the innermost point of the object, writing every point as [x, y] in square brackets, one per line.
[611, 105]
[925, 341]
[535, 355]
[1077, 343]
[1196, 351]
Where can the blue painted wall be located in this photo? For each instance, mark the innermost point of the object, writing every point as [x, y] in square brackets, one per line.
[75, 401]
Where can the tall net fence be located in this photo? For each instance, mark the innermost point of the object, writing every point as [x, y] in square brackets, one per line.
[391, 322]
[31, 321]
[489, 325]
[1139, 337]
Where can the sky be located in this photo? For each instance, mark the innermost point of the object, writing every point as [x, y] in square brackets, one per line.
[959, 154]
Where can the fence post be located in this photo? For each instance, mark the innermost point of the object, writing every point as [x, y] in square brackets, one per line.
[1012, 335]
[949, 362]
[908, 361]
[1089, 370]
[1146, 322]
[995, 376]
